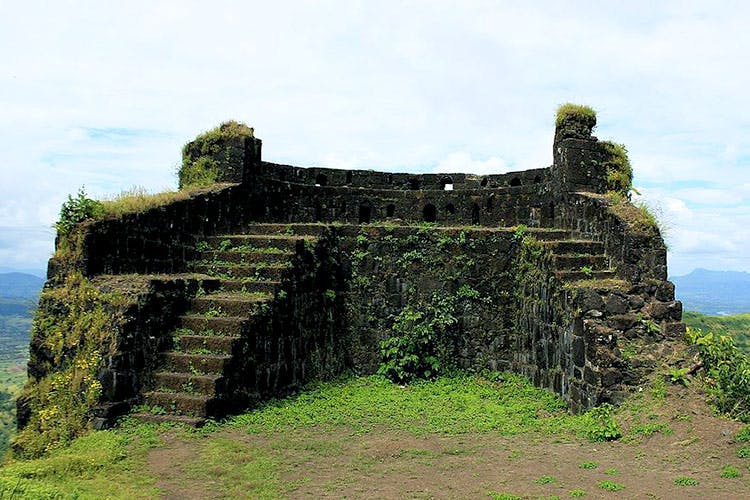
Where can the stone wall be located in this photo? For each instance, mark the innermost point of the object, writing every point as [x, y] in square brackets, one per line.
[142, 312]
[634, 245]
[376, 256]
[466, 272]
[302, 335]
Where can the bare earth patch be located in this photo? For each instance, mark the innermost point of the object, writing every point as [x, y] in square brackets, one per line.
[334, 462]
[166, 465]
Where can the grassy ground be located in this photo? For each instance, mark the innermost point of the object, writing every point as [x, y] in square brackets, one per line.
[463, 437]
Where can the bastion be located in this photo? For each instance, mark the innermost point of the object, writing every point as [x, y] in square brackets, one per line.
[272, 276]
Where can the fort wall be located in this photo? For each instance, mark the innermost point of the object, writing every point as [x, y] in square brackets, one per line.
[543, 272]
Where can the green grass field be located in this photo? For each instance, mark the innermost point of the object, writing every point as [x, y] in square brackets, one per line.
[113, 463]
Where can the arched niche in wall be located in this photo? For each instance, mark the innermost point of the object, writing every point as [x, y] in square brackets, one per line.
[390, 209]
[429, 213]
[446, 183]
[475, 213]
[321, 180]
[515, 181]
[365, 212]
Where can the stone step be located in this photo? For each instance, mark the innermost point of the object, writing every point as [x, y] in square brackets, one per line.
[151, 418]
[285, 229]
[250, 286]
[198, 364]
[586, 247]
[245, 257]
[571, 262]
[237, 304]
[206, 385]
[219, 325]
[257, 271]
[544, 234]
[181, 403]
[584, 275]
[281, 241]
[210, 343]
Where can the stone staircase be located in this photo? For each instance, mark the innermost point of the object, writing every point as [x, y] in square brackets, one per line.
[192, 385]
[193, 382]
[578, 259]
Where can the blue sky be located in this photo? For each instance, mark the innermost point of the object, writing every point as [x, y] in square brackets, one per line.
[104, 94]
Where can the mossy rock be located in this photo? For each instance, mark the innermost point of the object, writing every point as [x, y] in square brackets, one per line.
[217, 155]
[575, 120]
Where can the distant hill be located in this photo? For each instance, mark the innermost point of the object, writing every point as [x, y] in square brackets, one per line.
[20, 285]
[715, 293]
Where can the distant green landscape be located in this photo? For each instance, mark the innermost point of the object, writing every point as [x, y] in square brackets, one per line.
[18, 299]
[14, 353]
[736, 326]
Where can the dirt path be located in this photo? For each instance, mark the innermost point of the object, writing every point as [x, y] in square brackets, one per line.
[327, 463]
[166, 464]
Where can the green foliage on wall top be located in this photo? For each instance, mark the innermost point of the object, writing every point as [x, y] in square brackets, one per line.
[619, 170]
[570, 112]
[76, 210]
[203, 169]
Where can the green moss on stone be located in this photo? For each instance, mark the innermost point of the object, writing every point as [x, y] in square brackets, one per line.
[75, 328]
[575, 112]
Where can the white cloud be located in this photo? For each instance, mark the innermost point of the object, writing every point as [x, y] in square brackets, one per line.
[463, 162]
[398, 86]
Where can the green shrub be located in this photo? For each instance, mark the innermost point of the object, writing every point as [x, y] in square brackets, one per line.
[601, 425]
[730, 472]
[686, 481]
[575, 112]
[411, 351]
[610, 486]
[728, 373]
[202, 172]
[76, 210]
[545, 480]
[619, 171]
[637, 215]
[418, 342]
[743, 435]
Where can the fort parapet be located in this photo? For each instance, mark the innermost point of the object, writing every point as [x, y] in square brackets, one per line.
[278, 275]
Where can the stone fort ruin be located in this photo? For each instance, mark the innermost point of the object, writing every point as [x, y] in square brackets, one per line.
[278, 275]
